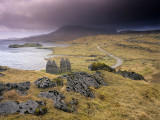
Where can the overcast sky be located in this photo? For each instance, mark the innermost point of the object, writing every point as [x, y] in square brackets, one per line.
[20, 18]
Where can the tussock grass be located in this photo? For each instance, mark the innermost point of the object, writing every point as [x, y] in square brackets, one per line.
[123, 99]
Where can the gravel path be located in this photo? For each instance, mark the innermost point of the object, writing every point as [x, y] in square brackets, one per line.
[119, 61]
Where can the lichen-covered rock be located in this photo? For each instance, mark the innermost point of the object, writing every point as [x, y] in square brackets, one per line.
[73, 105]
[81, 81]
[8, 107]
[131, 75]
[100, 66]
[20, 87]
[57, 99]
[44, 83]
[29, 107]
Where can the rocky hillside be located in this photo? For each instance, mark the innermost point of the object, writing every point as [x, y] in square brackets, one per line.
[69, 33]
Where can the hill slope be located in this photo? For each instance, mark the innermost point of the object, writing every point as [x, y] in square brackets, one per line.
[67, 33]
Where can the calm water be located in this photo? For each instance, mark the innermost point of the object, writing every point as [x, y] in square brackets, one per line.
[24, 58]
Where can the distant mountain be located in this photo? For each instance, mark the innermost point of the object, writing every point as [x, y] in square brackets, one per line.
[14, 38]
[67, 33]
[140, 32]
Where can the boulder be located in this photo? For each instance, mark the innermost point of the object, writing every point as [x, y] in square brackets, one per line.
[8, 107]
[20, 87]
[45, 83]
[57, 99]
[29, 107]
[81, 81]
[131, 75]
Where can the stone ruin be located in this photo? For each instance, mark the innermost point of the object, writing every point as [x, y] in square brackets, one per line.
[52, 67]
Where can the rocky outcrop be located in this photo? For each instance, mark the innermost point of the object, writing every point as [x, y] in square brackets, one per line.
[2, 68]
[33, 107]
[20, 87]
[52, 67]
[100, 66]
[29, 107]
[58, 101]
[8, 107]
[81, 81]
[46, 82]
[131, 75]
[1, 74]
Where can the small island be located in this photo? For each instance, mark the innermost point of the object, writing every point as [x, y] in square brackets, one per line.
[26, 45]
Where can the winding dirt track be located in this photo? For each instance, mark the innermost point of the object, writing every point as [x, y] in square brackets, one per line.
[119, 61]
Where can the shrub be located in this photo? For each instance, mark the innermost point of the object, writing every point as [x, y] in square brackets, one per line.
[100, 66]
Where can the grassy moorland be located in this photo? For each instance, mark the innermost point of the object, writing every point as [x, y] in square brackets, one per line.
[123, 99]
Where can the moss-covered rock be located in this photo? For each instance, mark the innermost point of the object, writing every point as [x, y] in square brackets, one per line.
[41, 110]
[100, 66]
[131, 75]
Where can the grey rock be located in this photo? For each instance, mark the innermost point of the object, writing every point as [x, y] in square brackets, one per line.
[28, 107]
[57, 99]
[2, 89]
[131, 75]
[20, 87]
[8, 107]
[73, 105]
[44, 83]
[81, 81]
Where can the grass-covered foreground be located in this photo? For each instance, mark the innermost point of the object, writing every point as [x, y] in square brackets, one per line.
[122, 99]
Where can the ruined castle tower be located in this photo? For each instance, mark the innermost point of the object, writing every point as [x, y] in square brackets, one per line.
[52, 67]
[68, 65]
[63, 67]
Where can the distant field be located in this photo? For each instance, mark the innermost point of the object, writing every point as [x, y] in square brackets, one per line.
[140, 53]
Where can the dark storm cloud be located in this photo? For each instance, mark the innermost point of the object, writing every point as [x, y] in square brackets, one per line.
[47, 14]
